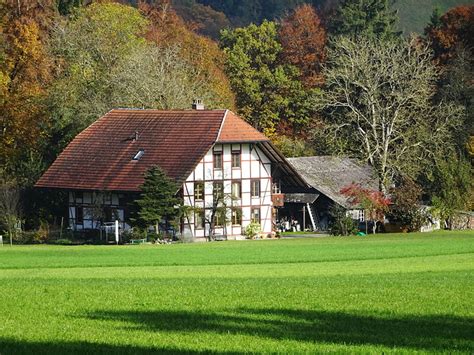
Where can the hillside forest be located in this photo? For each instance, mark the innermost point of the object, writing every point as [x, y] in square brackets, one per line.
[317, 77]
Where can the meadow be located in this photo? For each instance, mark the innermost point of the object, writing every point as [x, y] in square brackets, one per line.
[385, 293]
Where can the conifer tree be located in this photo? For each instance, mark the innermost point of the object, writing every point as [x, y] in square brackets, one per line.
[368, 18]
[158, 199]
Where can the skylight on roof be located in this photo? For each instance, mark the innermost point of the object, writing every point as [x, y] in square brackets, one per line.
[139, 154]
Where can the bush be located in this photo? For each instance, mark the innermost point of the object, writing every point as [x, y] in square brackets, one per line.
[405, 208]
[252, 230]
[25, 237]
[342, 224]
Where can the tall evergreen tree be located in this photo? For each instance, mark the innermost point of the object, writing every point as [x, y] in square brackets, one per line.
[368, 18]
[158, 199]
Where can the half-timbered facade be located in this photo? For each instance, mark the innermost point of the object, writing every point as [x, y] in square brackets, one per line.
[217, 159]
[237, 179]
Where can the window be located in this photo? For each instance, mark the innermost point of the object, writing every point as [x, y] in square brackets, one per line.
[255, 216]
[199, 219]
[198, 191]
[218, 191]
[139, 154]
[237, 216]
[361, 216]
[79, 215]
[219, 218]
[276, 188]
[255, 188]
[236, 159]
[236, 189]
[217, 160]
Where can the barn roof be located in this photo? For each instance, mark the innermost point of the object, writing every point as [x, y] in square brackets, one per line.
[329, 174]
[102, 156]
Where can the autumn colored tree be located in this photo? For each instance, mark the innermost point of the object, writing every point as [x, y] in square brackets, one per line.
[168, 29]
[267, 90]
[373, 202]
[303, 38]
[451, 30]
[25, 68]
[89, 47]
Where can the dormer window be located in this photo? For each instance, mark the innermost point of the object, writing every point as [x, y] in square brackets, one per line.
[139, 154]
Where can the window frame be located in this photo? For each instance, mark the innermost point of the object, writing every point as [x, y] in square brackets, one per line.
[253, 191]
[215, 192]
[201, 190]
[236, 216]
[234, 160]
[202, 216]
[218, 162]
[239, 196]
[219, 219]
[254, 220]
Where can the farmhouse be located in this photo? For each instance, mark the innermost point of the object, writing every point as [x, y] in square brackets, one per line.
[209, 153]
[325, 176]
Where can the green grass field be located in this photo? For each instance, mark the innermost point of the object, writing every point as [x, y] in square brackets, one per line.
[390, 293]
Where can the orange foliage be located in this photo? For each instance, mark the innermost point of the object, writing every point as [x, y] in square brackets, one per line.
[167, 28]
[373, 202]
[303, 38]
[26, 72]
[455, 27]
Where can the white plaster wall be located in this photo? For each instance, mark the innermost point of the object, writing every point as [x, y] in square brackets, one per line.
[254, 165]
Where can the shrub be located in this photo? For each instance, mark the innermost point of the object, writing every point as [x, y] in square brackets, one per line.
[405, 208]
[342, 224]
[252, 230]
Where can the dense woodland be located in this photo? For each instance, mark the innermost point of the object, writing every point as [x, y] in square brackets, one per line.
[317, 78]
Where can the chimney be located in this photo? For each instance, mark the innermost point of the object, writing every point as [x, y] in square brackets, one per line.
[197, 104]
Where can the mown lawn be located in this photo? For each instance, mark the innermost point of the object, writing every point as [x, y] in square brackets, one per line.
[390, 293]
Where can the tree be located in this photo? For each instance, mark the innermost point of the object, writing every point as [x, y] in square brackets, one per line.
[9, 205]
[447, 32]
[167, 29]
[374, 203]
[406, 204]
[341, 223]
[154, 77]
[303, 39]
[267, 91]
[158, 199]
[89, 47]
[204, 19]
[25, 73]
[453, 187]
[66, 7]
[379, 106]
[367, 18]
[293, 147]
[456, 85]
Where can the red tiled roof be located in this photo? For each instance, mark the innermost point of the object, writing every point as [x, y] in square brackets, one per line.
[235, 129]
[100, 157]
